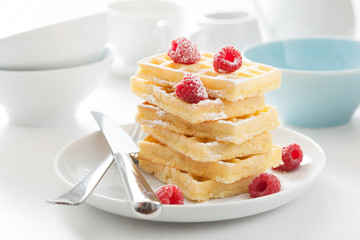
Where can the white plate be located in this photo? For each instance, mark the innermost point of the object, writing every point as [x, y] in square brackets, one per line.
[79, 157]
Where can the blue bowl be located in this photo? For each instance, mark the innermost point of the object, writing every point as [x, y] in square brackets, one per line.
[320, 79]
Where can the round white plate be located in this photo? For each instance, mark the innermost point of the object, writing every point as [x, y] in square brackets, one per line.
[78, 158]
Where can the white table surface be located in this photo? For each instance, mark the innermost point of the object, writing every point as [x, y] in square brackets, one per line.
[329, 210]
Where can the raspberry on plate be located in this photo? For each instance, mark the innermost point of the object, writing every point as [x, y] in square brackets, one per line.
[264, 184]
[227, 59]
[191, 89]
[170, 194]
[183, 51]
[292, 156]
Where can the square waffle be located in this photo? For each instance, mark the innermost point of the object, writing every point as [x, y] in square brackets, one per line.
[193, 187]
[207, 110]
[235, 130]
[209, 150]
[252, 79]
[223, 171]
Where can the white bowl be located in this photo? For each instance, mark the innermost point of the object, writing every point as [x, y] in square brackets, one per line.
[65, 44]
[50, 97]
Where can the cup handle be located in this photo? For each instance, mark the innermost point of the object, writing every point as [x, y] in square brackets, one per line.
[164, 31]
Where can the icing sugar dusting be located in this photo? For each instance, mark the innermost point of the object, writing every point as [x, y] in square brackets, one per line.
[159, 122]
[209, 101]
[228, 122]
[213, 143]
[300, 174]
[215, 116]
[149, 98]
[160, 112]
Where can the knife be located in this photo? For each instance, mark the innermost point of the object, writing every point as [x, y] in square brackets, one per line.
[143, 201]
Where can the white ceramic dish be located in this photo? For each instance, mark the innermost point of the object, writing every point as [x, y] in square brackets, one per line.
[49, 97]
[79, 157]
[65, 44]
[216, 29]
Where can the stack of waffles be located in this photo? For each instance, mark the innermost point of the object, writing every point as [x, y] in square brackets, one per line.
[214, 148]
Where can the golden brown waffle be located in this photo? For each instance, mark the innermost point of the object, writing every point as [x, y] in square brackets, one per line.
[225, 171]
[209, 150]
[235, 130]
[193, 187]
[252, 79]
[207, 110]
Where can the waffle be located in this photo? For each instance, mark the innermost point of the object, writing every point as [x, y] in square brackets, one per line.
[235, 130]
[194, 187]
[225, 171]
[209, 150]
[207, 110]
[252, 79]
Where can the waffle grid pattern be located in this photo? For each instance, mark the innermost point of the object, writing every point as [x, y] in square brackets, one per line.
[251, 80]
[205, 67]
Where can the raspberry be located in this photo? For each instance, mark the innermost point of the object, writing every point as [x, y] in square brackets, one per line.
[227, 59]
[264, 184]
[292, 156]
[191, 89]
[183, 51]
[170, 194]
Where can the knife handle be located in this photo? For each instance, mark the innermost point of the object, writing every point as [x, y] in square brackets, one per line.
[143, 200]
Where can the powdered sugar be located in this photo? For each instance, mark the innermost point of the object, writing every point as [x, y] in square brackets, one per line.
[160, 112]
[228, 122]
[147, 106]
[214, 116]
[237, 121]
[160, 122]
[212, 143]
[210, 101]
[228, 139]
[303, 172]
[149, 98]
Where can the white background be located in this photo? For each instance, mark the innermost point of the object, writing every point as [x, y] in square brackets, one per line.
[329, 210]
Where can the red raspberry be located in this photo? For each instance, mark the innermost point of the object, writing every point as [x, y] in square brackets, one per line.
[191, 89]
[183, 51]
[292, 156]
[170, 194]
[227, 59]
[264, 184]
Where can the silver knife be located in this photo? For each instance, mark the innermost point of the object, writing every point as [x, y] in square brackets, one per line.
[142, 198]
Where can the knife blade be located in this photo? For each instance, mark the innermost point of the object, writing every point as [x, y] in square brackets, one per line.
[143, 200]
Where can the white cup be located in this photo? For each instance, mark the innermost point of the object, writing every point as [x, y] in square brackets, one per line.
[140, 28]
[306, 18]
[236, 28]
